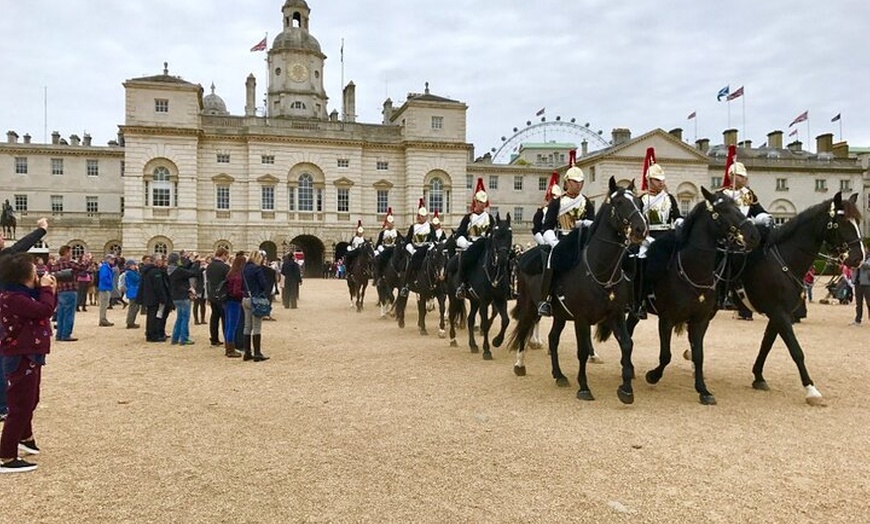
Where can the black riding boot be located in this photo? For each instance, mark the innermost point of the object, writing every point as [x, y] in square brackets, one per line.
[545, 309]
[460, 277]
[258, 356]
[639, 306]
[248, 355]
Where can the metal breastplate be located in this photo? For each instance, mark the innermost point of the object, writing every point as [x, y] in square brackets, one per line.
[658, 210]
[389, 240]
[478, 226]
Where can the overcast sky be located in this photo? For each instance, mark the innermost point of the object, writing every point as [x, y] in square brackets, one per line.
[611, 64]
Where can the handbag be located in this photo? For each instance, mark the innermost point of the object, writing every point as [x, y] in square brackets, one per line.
[260, 306]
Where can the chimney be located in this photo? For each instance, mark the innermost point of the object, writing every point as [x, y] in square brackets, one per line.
[774, 140]
[333, 117]
[87, 140]
[825, 143]
[349, 103]
[703, 145]
[730, 137]
[55, 137]
[795, 146]
[121, 138]
[388, 111]
[584, 147]
[840, 150]
[746, 144]
[11, 137]
[620, 135]
[74, 140]
[27, 138]
[677, 133]
[250, 95]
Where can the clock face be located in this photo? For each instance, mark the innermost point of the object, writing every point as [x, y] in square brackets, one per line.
[298, 73]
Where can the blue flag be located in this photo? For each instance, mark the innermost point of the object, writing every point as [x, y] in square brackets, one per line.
[722, 93]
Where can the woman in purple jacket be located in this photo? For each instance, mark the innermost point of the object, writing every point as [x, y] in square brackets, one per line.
[26, 306]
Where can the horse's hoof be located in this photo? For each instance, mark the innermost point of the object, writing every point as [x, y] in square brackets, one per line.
[535, 345]
[652, 377]
[814, 396]
[760, 385]
[687, 355]
[626, 397]
[520, 371]
[595, 359]
[487, 355]
[424, 333]
[454, 344]
[816, 401]
[563, 382]
[442, 333]
[475, 349]
[496, 342]
[402, 323]
[585, 394]
[708, 400]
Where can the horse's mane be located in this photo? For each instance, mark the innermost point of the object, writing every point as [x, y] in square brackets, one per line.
[683, 233]
[806, 217]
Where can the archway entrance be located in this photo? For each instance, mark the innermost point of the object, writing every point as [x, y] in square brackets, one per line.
[312, 250]
[271, 250]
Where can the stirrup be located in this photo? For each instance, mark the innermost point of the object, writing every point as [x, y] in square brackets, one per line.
[460, 292]
[545, 309]
[404, 291]
[640, 313]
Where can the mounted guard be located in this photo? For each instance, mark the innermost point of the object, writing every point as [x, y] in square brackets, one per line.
[474, 227]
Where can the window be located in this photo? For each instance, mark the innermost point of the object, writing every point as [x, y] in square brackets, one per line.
[716, 182]
[92, 205]
[518, 215]
[821, 184]
[161, 190]
[222, 197]
[78, 250]
[436, 196]
[437, 122]
[319, 194]
[493, 181]
[122, 205]
[161, 105]
[542, 183]
[267, 198]
[383, 165]
[592, 174]
[291, 192]
[21, 203]
[382, 201]
[56, 166]
[297, 105]
[265, 159]
[223, 158]
[123, 167]
[685, 206]
[845, 185]
[343, 162]
[493, 210]
[780, 220]
[469, 182]
[160, 248]
[782, 184]
[56, 204]
[343, 200]
[93, 167]
[518, 182]
[306, 192]
[21, 165]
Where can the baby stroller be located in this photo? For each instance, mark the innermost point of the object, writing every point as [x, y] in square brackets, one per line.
[839, 290]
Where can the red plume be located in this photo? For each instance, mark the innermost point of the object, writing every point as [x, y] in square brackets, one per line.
[478, 187]
[732, 156]
[436, 214]
[389, 212]
[420, 204]
[554, 180]
[649, 160]
[359, 223]
[572, 157]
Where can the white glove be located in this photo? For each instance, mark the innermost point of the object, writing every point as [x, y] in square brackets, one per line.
[763, 219]
[539, 239]
[678, 222]
[380, 249]
[582, 223]
[410, 249]
[550, 237]
[462, 243]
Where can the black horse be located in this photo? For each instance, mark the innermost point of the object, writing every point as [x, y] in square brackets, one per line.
[488, 284]
[681, 272]
[595, 291]
[428, 284]
[388, 280]
[773, 276]
[359, 273]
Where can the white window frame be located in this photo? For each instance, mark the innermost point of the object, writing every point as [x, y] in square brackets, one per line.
[518, 182]
[267, 198]
[161, 105]
[92, 167]
[56, 202]
[222, 197]
[21, 165]
[56, 166]
[92, 205]
[437, 122]
[342, 202]
[382, 201]
[382, 165]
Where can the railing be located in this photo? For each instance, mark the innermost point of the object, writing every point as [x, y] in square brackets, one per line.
[287, 126]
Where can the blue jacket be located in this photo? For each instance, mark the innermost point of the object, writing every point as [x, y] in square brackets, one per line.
[255, 281]
[131, 282]
[105, 280]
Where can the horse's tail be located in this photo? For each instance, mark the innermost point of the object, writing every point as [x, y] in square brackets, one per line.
[525, 313]
[679, 328]
[603, 330]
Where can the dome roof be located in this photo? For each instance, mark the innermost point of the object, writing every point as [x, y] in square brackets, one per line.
[213, 104]
[296, 3]
[295, 38]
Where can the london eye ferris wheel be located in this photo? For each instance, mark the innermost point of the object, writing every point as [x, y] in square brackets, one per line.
[548, 131]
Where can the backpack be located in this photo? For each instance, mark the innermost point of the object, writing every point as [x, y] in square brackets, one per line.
[220, 292]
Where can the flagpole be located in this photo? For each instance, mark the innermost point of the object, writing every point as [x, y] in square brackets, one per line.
[728, 100]
[696, 126]
[743, 103]
[343, 101]
[808, 130]
[841, 127]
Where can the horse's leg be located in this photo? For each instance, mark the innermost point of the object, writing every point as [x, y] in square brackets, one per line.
[472, 312]
[631, 322]
[593, 357]
[421, 313]
[620, 331]
[535, 342]
[786, 330]
[453, 318]
[697, 329]
[583, 334]
[441, 332]
[653, 376]
[767, 340]
[485, 324]
[553, 344]
[401, 303]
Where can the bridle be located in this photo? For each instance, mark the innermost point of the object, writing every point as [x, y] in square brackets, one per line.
[618, 274]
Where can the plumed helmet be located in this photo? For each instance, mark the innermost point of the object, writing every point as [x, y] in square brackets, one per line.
[421, 209]
[389, 218]
[436, 221]
[737, 168]
[575, 173]
[651, 169]
[731, 167]
[480, 193]
[554, 190]
[359, 228]
[656, 171]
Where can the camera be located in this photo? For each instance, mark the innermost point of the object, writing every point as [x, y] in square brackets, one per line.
[64, 275]
[40, 273]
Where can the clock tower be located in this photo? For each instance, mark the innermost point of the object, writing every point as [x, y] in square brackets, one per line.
[296, 67]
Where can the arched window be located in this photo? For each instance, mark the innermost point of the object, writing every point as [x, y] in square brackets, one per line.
[436, 196]
[306, 192]
[161, 187]
[77, 250]
[161, 248]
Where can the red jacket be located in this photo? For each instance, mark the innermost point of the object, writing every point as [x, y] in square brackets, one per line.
[26, 322]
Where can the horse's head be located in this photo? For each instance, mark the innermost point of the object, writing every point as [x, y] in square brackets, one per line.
[731, 226]
[437, 256]
[501, 240]
[842, 234]
[625, 212]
